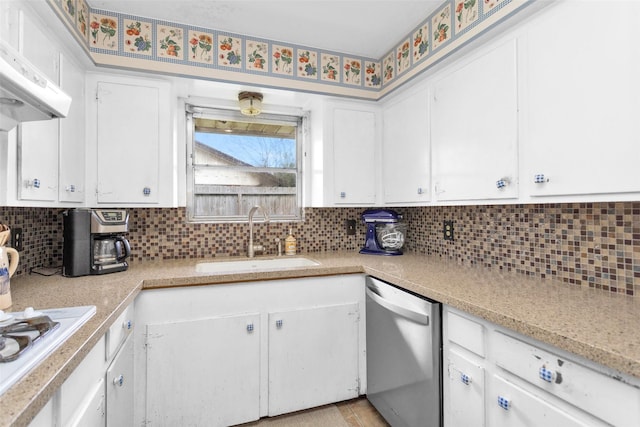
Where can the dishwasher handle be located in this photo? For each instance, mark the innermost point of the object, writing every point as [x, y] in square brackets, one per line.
[405, 312]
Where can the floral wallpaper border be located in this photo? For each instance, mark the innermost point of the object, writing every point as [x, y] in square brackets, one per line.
[104, 32]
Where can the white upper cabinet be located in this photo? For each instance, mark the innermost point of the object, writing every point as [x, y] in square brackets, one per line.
[351, 131]
[132, 136]
[582, 103]
[46, 166]
[128, 136]
[474, 127]
[71, 177]
[38, 141]
[405, 148]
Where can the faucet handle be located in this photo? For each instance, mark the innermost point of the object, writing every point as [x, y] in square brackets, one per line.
[279, 246]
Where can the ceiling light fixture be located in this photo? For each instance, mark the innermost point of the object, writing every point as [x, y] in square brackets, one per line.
[250, 103]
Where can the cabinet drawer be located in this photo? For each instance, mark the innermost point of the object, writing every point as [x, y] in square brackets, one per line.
[579, 385]
[512, 406]
[119, 331]
[466, 333]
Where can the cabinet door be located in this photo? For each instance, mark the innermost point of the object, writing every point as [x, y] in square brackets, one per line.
[203, 372]
[354, 142]
[128, 135]
[119, 382]
[82, 394]
[71, 178]
[464, 407]
[37, 46]
[511, 406]
[38, 160]
[313, 357]
[38, 141]
[474, 129]
[405, 149]
[583, 100]
[91, 413]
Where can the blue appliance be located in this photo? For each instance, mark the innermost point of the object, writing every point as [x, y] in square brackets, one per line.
[385, 232]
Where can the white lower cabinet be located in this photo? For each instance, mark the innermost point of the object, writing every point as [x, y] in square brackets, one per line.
[498, 378]
[82, 395]
[227, 354]
[309, 350]
[465, 405]
[215, 381]
[99, 392]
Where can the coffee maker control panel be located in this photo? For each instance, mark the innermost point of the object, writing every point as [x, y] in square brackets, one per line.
[111, 216]
[109, 221]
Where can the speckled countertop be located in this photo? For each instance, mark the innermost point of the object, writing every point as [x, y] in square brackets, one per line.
[599, 326]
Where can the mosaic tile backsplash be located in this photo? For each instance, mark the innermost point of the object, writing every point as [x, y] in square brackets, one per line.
[587, 244]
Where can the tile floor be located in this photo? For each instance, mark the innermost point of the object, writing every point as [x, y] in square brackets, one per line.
[350, 413]
[360, 413]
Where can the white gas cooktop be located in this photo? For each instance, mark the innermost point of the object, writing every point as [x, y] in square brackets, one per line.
[70, 319]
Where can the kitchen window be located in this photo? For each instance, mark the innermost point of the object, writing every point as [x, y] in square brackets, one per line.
[236, 162]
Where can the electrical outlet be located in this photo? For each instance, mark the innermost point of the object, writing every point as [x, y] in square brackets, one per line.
[448, 230]
[351, 227]
[16, 239]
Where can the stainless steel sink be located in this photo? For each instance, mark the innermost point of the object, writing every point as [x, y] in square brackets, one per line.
[251, 265]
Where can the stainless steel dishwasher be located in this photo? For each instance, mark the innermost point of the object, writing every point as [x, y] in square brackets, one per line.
[404, 356]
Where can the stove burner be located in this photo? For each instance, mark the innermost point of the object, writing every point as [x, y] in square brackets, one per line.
[19, 336]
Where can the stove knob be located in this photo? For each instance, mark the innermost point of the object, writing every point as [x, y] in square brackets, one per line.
[29, 313]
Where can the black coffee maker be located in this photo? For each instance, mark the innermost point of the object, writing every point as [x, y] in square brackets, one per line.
[94, 241]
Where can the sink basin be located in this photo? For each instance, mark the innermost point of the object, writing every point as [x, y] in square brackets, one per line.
[251, 265]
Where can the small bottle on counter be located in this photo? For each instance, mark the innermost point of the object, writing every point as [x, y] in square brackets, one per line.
[290, 245]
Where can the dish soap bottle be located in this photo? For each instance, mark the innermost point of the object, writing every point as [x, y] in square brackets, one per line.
[290, 244]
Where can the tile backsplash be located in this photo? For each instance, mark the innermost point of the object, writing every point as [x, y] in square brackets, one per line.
[587, 244]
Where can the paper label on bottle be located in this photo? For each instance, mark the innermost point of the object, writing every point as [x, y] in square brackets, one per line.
[290, 247]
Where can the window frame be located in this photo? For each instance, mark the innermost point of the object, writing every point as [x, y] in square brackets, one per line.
[299, 121]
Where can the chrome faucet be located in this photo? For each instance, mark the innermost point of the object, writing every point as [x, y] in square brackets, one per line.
[253, 248]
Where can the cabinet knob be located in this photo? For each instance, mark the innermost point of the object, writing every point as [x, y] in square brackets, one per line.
[466, 379]
[35, 183]
[504, 402]
[420, 190]
[279, 324]
[343, 194]
[501, 183]
[250, 327]
[547, 374]
[127, 324]
[70, 188]
[540, 178]
[119, 380]
[146, 191]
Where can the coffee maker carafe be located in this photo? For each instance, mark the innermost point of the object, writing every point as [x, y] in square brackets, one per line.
[94, 241]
